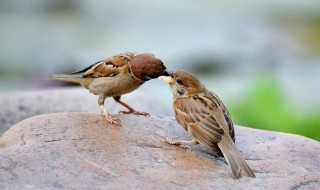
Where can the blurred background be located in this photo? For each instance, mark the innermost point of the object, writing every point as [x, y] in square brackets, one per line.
[261, 57]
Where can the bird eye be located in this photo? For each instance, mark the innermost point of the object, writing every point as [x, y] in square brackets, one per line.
[179, 81]
[180, 92]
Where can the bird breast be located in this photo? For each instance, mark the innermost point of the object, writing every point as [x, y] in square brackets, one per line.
[115, 85]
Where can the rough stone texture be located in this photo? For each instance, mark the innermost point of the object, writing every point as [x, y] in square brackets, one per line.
[16, 106]
[83, 151]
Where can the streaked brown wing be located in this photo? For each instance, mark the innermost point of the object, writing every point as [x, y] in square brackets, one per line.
[106, 68]
[230, 123]
[196, 115]
[226, 114]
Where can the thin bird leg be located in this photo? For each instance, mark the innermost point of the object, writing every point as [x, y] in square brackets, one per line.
[105, 112]
[109, 118]
[182, 144]
[130, 109]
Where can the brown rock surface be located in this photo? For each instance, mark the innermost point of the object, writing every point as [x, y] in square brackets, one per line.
[83, 151]
[16, 106]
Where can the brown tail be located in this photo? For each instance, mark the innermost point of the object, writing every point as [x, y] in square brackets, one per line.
[234, 159]
[67, 78]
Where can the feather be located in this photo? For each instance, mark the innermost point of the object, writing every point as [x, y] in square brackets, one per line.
[207, 120]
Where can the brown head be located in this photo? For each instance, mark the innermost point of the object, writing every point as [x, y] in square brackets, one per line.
[146, 66]
[183, 84]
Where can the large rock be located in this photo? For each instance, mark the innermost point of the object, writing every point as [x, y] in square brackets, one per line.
[83, 151]
[16, 106]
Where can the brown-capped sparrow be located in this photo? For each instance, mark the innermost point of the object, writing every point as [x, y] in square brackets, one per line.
[115, 76]
[203, 115]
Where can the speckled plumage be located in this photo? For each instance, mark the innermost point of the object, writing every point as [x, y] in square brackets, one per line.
[115, 76]
[204, 116]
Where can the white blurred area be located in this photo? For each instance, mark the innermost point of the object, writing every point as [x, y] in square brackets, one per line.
[228, 44]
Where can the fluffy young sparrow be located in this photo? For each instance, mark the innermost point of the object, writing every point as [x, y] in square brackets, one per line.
[203, 115]
[115, 76]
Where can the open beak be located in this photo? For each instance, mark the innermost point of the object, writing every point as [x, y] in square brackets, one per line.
[167, 79]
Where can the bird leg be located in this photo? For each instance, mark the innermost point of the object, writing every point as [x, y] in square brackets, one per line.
[109, 118]
[182, 144]
[106, 114]
[130, 109]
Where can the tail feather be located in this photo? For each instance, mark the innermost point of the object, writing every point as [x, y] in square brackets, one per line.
[67, 78]
[234, 159]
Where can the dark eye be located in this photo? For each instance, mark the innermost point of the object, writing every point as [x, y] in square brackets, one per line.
[179, 81]
[180, 92]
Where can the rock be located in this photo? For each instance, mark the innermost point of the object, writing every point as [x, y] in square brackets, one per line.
[21, 105]
[83, 151]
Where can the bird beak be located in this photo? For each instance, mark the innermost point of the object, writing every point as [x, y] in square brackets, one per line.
[165, 73]
[167, 79]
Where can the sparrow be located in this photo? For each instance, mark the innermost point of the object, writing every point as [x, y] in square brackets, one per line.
[115, 76]
[206, 119]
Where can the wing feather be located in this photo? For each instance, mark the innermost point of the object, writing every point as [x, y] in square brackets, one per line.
[226, 114]
[197, 114]
[106, 68]
[193, 116]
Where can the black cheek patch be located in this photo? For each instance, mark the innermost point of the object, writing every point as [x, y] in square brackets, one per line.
[180, 92]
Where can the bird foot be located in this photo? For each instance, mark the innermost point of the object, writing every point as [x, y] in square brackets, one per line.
[112, 120]
[109, 118]
[181, 144]
[135, 112]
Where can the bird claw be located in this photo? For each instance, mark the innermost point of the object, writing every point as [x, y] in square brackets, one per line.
[170, 141]
[109, 118]
[113, 120]
[135, 113]
[177, 143]
[185, 147]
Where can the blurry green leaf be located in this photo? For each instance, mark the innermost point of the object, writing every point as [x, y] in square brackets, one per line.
[264, 107]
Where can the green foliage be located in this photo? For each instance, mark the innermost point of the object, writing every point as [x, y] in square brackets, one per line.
[265, 107]
[311, 31]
